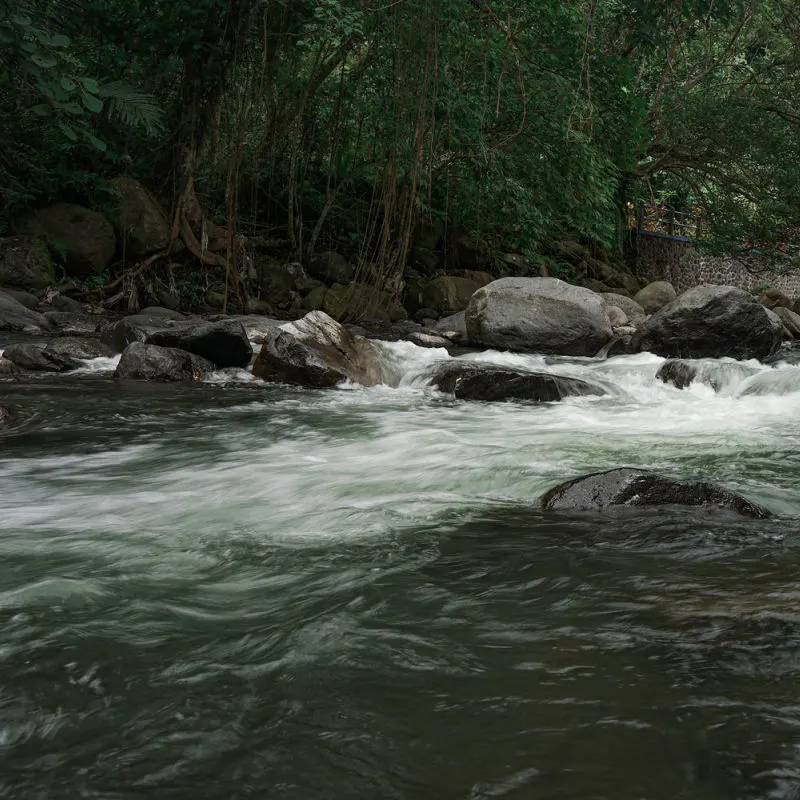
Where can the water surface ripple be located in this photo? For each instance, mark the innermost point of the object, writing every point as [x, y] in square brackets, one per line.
[244, 591]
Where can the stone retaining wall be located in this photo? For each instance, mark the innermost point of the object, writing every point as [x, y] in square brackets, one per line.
[660, 258]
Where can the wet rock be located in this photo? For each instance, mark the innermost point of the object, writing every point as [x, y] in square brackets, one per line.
[69, 324]
[711, 322]
[135, 328]
[27, 299]
[85, 237]
[423, 339]
[153, 363]
[471, 381]
[790, 320]
[633, 311]
[453, 327]
[635, 487]
[37, 358]
[139, 220]
[331, 268]
[655, 296]
[774, 299]
[539, 315]
[616, 316]
[77, 348]
[257, 326]
[425, 313]
[161, 312]
[16, 317]
[224, 343]
[25, 263]
[63, 303]
[9, 371]
[316, 351]
[788, 354]
[679, 373]
[449, 294]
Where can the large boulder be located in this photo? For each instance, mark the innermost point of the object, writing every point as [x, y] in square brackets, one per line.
[540, 315]
[636, 487]
[655, 296]
[25, 263]
[139, 220]
[152, 363]
[84, 237]
[449, 294]
[26, 298]
[77, 348]
[633, 311]
[330, 268]
[70, 324]
[225, 343]
[135, 328]
[256, 326]
[16, 317]
[38, 358]
[316, 351]
[790, 320]
[471, 381]
[711, 322]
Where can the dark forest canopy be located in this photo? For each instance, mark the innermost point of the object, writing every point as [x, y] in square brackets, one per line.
[351, 120]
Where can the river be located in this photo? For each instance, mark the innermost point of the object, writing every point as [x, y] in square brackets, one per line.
[231, 590]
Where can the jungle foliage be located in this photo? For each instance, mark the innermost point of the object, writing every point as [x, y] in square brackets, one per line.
[346, 122]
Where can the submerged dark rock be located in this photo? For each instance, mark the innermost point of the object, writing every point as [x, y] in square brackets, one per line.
[316, 351]
[679, 373]
[470, 381]
[38, 358]
[152, 363]
[225, 342]
[635, 487]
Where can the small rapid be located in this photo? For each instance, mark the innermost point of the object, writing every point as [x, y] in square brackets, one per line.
[232, 589]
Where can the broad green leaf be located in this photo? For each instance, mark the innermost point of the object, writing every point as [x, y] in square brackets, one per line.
[68, 131]
[67, 84]
[90, 84]
[23, 20]
[44, 60]
[59, 40]
[94, 104]
[98, 144]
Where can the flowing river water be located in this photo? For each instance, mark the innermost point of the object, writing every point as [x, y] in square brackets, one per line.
[235, 591]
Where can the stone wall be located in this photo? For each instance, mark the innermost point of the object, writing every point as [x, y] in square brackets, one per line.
[661, 258]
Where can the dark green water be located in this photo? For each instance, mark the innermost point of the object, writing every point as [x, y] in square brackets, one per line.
[249, 592]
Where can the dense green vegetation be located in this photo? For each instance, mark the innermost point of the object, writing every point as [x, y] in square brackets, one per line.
[344, 123]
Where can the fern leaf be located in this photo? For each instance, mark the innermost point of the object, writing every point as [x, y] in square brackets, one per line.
[132, 107]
